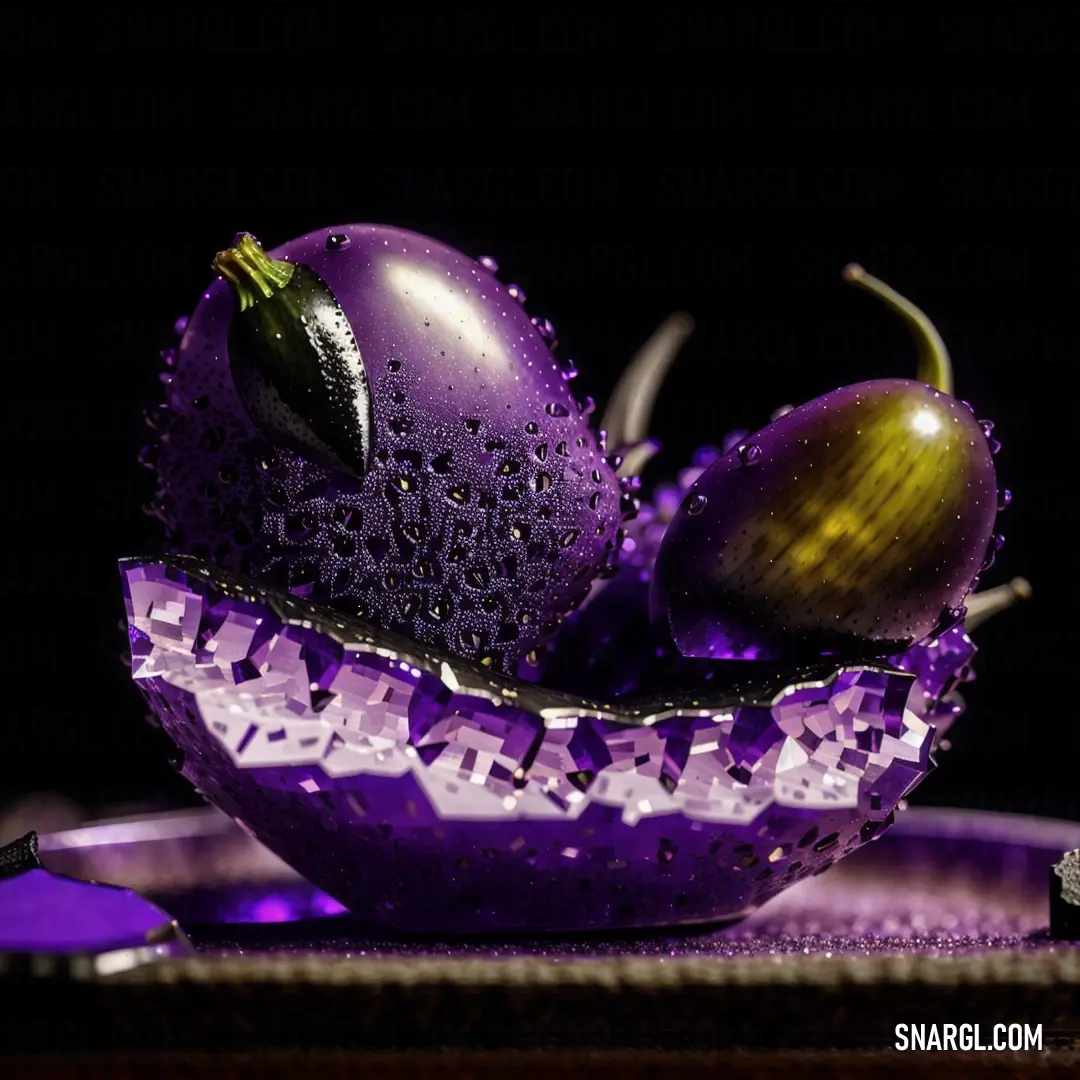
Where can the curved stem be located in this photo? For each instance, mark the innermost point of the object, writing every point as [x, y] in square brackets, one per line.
[637, 456]
[985, 605]
[935, 367]
[629, 409]
[250, 271]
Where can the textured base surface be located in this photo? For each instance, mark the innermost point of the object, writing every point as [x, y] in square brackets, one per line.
[941, 921]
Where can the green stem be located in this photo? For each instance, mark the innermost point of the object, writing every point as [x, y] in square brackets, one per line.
[935, 367]
[985, 605]
[250, 271]
[629, 409]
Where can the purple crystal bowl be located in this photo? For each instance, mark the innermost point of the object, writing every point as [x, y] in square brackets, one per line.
[428, 794]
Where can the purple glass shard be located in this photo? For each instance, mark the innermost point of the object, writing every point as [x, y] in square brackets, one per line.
[939, 666]
[427, 793]
[42, 912]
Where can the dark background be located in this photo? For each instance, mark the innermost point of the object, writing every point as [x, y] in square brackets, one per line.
[725, 162]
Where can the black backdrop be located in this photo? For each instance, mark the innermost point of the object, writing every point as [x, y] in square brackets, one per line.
[728, 163]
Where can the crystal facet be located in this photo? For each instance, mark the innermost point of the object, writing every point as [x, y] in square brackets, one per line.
[391, 775]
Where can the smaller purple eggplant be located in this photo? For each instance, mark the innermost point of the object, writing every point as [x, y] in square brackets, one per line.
[845, 528]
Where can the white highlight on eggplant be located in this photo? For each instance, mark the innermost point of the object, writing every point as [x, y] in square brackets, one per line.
[926, 422]
[433, 297]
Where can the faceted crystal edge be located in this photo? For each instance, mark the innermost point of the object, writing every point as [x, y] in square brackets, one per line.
[389, 775]
[362, 638]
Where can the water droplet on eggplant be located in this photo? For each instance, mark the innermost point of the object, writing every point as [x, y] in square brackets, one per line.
[545, 329]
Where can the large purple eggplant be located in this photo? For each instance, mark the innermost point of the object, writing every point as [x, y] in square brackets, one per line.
[368, 418]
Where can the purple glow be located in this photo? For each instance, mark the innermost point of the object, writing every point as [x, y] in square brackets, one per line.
[272, 909]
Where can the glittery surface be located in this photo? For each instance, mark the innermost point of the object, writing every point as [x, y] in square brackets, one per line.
[838, 917]
[939, 883]
[390, 775]
[1065, 897]
[19, 855]
[844, 528]
[488, 505]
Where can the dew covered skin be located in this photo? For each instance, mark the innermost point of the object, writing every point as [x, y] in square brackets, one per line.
[610, 649]
[487, 505]
[845, 527]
